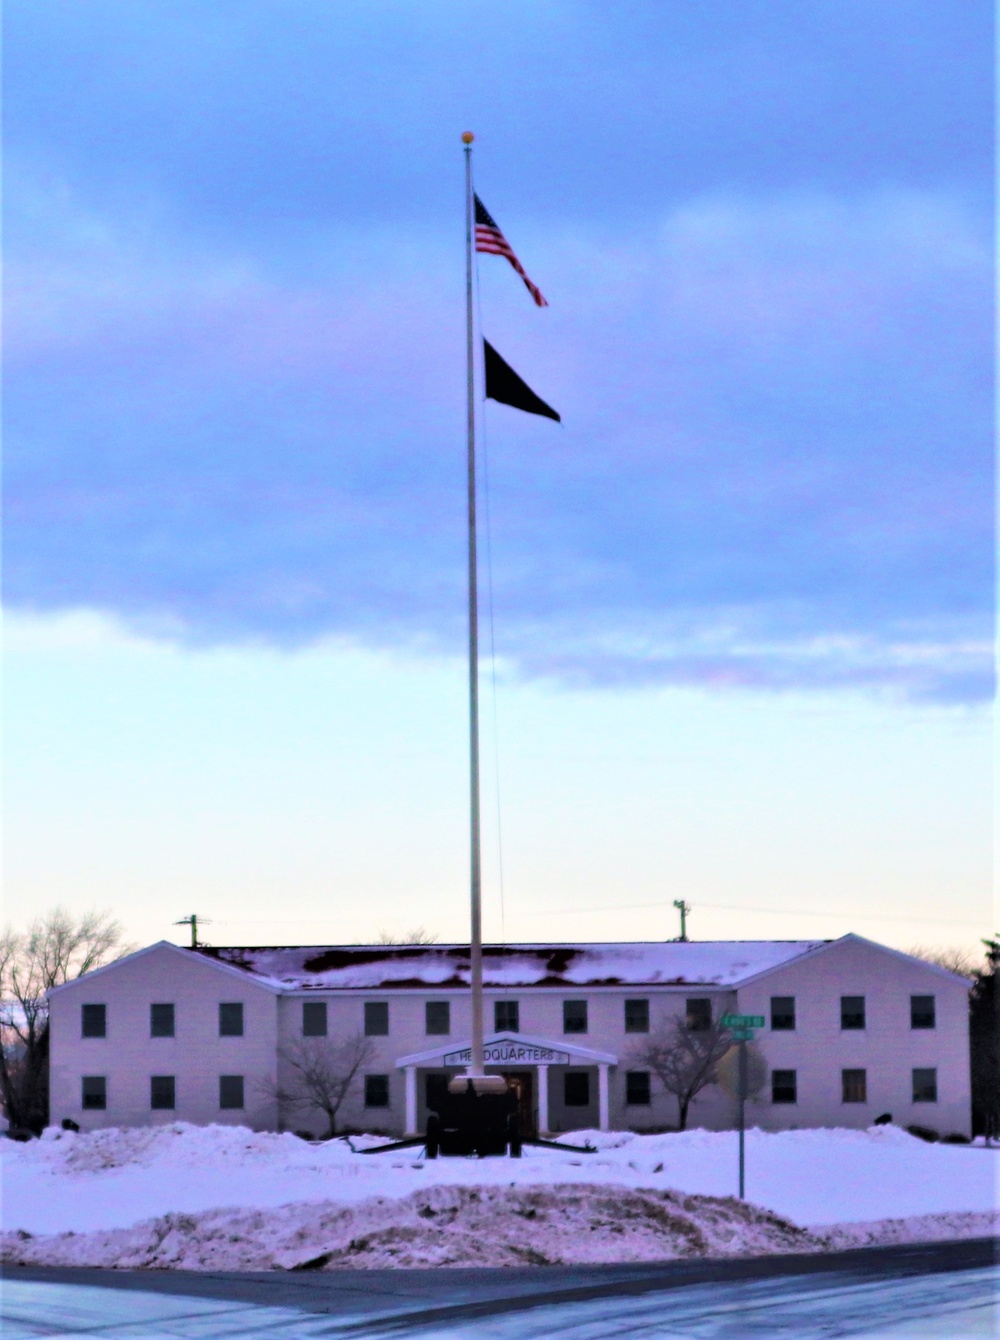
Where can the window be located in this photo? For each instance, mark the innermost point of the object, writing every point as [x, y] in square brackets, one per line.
[637, 1017]
[231, 1020]
[574, 1016]
[783, 1015]
[376, 1091]
[854, 1086]
[852, 1011]
[637, 1088]
[94, 1021]
[784, 1086]
[161, 1021]
[230, 1092]
[925, 1086]
[922, 1012]
[94, 1092]
[162, 1096]
[437, 1014]
[576, 1088]
[314, 1018]
[506, 1016]
[699, 1015]
[376, 1018]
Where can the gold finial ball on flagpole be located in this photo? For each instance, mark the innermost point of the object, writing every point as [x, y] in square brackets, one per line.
[467, 137]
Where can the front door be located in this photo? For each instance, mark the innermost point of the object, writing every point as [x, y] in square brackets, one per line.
[522, 1083]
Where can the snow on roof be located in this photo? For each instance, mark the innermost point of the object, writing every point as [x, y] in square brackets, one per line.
[384, 967]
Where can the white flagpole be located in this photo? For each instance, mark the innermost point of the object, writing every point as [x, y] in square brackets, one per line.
[476, 941]
[481, 1082]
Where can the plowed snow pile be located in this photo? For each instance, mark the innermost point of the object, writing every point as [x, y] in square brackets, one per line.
[442, 1226]
[224, 1197]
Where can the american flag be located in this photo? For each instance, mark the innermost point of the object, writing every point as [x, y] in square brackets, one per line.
[489, 238]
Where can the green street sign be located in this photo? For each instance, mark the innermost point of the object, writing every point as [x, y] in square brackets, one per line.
[742, 1021]
[743, 1035]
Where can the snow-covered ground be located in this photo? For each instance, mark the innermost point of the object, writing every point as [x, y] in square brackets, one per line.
[205, 1188]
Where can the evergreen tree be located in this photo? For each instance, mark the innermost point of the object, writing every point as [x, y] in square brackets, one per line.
[984, 1038]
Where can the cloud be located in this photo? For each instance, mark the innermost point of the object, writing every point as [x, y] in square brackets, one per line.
[770, 405]
[235, 378]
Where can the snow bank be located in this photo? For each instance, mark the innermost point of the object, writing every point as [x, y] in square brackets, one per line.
[828, 1180]
[919, 1228]
[439, 1226]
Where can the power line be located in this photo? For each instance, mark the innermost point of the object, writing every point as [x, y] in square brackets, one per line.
[775, 911]
[636, 907]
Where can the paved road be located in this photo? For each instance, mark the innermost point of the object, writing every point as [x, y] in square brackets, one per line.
[946, 1291]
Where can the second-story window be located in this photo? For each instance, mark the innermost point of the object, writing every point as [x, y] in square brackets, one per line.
[161, 1020]
[574, 1016]
[506, 1016]
[376, 1018]
[922, 1012]
[314, 1018]
[437, 1016]
[231, 1019]
[94, 1021]
[783, 1014]
[698, 1014]
[637, 1016]
[852, 1012]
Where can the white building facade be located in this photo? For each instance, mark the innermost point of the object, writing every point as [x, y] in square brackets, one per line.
[853, 1030]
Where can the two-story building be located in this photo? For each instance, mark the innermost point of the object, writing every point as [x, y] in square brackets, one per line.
[852, 1030]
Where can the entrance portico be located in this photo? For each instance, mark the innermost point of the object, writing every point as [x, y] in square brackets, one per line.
[512, 1052]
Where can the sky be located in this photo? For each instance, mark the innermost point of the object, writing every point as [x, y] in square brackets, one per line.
[737, 605]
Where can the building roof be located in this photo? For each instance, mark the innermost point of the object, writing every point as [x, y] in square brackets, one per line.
[723, 963]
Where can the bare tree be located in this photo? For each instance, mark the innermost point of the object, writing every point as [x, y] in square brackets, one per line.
[683, 1058]
[418, 936]
[955, 959]
[322, 1074]
[55, 948]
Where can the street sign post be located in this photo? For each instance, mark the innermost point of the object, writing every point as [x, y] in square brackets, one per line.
[741, 1027]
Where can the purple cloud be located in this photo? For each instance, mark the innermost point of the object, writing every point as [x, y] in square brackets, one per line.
[775, 462]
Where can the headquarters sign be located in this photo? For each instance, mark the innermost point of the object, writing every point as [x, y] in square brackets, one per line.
[508, 1052]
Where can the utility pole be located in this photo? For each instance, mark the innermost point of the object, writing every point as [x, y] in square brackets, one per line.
[191, 921]
[684, 908]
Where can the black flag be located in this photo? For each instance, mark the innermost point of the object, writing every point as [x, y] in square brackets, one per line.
[504, 385]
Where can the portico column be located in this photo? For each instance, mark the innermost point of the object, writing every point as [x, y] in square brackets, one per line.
[543, 1099]
[603, 1119]
[410, 1072]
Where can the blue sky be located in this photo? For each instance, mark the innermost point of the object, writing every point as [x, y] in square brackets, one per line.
[234, 357]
